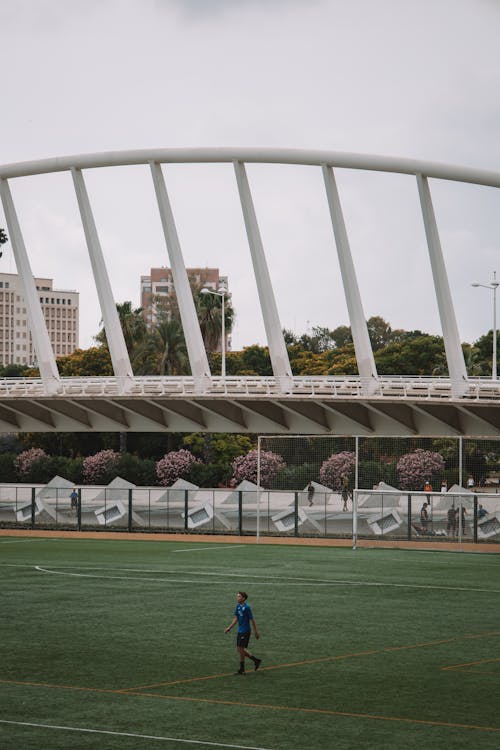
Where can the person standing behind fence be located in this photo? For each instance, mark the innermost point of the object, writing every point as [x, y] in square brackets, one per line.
[74, 499]
[451, 525]
[310, 493]
[424, 517]
[464, 513]
[345, 494]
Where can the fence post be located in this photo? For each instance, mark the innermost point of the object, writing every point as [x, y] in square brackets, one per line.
[409, 517]
[79, 510]
[33, 507]
[296, 515]
[130, 509]
[475, 519]
[240, 512]
[186, 508]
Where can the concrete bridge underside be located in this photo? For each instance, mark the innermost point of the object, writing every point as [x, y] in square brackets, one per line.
[92, 409]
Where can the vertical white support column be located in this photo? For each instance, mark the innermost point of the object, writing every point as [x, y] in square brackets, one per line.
[362, 346]
[200, 368]
[452, 345]
[277, 347]
[114, 334]
[39, 334]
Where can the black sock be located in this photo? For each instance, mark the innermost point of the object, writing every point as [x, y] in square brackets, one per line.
[254, 659]
[242, 666]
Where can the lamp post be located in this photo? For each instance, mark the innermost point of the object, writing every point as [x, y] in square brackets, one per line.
[221, 292]
[494, 286]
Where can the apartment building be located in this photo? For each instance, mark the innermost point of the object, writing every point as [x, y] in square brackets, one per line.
[61, 312]
[160, 283]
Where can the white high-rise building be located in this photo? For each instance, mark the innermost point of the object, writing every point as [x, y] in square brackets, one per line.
[61, 312]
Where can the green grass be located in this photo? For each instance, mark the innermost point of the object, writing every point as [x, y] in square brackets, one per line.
[354, 645]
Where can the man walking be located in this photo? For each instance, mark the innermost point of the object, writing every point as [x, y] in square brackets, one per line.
[243, 616]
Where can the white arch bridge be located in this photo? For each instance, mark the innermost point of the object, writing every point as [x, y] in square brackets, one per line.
[364, 405]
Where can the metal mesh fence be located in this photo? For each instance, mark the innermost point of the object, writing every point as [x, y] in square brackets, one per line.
[306, 486]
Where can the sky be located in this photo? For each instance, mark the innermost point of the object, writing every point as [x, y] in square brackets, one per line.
[408, 78]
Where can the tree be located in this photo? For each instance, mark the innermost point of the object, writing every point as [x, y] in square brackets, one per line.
[337, 469]
[132, 324]
[3, 239]
[86, 363]
[99, 467]
[246, 467]
[342, 336]
[417, 467]
[162, 351]
[174, 465]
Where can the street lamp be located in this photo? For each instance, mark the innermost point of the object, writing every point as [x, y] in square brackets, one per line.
[494, 286]
[221, 292]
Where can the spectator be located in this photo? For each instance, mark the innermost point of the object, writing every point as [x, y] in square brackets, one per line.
[481, 512]
[464, 528]
[74, 499]
[451, 525]
[470, 482]
[444, 486]
[345, 494]
[424, 517]
[310, 493]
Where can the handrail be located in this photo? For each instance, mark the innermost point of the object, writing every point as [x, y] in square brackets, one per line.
[396, 387]
[369, 162]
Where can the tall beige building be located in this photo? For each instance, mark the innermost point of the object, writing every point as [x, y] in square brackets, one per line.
[60, 309]
[160, 283]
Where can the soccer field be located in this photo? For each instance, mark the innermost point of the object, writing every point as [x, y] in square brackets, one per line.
[120, 644]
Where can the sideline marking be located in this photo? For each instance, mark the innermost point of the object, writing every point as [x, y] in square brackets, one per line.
[129, 734]
[282, 580]
[21, 541]
[323, 659]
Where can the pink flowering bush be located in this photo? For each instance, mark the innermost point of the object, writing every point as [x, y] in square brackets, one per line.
[96, 468]
[337, 468]
[25, 460]
[416, 467]
[245, 467]
[174, 465]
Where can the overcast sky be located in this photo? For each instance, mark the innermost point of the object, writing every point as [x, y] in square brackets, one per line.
[409, 78]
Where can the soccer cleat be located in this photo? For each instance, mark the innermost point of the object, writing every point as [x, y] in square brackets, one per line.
[257, 664]
[239, 672]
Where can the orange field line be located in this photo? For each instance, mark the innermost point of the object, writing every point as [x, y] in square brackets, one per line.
[317, 661]
[323, 711]
[470, 663]
[297, 709]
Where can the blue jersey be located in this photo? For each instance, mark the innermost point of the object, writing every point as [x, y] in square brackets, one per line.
[244, 615]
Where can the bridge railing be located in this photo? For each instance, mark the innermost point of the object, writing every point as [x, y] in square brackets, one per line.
[389, 387]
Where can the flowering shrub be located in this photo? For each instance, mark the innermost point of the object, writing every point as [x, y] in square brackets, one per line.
[97, 467]
[174, 465]
[336, 468]
[416, 467]
[25, 460]
[245, 467]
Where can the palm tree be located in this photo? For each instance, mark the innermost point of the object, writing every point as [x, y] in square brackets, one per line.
[209, 310]
[162, 351]
[132, 324]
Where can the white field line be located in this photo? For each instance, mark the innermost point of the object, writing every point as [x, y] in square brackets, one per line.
[277, 580]
[130, 734]
[209, 549]
[21, 541]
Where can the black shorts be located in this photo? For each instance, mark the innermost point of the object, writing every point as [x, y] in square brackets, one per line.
[242, 639]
